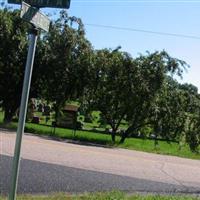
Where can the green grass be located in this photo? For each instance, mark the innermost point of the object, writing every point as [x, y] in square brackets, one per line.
[104, 196]
[1, 116]
[84, 136]
[104, 139]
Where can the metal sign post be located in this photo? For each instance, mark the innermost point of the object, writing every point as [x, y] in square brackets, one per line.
[23, 109]
[38, 20]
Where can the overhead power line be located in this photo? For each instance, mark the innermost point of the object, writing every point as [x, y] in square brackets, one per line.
[144, 31]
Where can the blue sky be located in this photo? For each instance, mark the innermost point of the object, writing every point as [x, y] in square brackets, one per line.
[180, 17]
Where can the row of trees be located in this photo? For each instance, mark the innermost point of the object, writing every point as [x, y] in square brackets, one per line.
[141, 91]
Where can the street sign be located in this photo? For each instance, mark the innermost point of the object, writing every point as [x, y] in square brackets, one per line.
[33, 16]
[44, 3]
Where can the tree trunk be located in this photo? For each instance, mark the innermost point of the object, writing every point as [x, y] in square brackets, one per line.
[155, 142]
[56, 109]
[8, 115]
[123, 137]
[113, 135]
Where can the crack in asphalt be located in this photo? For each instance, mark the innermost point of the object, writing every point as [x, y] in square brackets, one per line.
[172, 177]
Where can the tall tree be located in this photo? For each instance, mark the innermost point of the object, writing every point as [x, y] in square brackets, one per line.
[66, 61]
[13, 40]
[169, 112]
[143, 87]
[124, 88]
[192, 109]
[175, 113]
[107, 88]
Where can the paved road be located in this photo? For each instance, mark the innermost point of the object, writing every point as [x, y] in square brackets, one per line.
[53, 166]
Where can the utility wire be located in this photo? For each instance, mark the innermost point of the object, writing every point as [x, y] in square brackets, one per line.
[144, 31]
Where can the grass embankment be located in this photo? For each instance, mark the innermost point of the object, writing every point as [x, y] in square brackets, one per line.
[105, 196]
[104, 139]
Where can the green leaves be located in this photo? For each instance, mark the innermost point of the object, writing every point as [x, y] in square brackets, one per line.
[66, 60]
[13, 40]
[140, 91]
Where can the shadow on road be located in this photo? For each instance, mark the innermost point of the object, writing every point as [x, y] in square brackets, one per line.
[42, 178]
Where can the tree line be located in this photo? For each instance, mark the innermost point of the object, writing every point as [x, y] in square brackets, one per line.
[141, 91]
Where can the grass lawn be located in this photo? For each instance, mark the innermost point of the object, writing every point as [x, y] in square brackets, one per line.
[104, 139]
[105, 196]
[1, 116]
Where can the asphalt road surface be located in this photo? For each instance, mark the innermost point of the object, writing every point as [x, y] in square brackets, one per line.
[57, 166]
